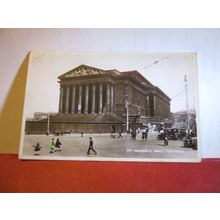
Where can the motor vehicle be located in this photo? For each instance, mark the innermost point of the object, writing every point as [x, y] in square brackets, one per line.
[190, 142]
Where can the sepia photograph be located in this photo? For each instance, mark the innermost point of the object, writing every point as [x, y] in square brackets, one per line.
[111, 107]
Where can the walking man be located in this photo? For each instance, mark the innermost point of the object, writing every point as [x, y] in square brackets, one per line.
[119, 134]
[165, 141]
[165, 138]
[91, 147]
[146, 132]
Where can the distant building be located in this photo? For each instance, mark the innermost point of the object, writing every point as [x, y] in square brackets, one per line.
[42, 115]
[179, 119]
[94, 100]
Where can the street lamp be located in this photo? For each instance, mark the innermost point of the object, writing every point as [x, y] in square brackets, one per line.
[48, 123]
[187, 105]
[127, 112]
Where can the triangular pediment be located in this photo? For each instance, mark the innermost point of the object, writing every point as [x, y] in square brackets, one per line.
[82, 70]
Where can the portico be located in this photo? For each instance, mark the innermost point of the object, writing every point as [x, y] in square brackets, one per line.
[86, 98]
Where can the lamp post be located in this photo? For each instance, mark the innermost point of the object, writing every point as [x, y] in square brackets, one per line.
[127, 113]
[127, 117]
[48, 123]
[187, 105]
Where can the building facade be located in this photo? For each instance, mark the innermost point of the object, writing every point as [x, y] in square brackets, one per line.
[88, 90]
[94, 100]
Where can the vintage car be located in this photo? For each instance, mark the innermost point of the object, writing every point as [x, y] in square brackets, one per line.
[190, 142]
[170, 133]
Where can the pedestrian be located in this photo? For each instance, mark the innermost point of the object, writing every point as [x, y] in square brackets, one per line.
[165, 139]
[146, 133]
[57, 145]
[133, 135]
[119, 134]
[52, 146]
[143, 135]
[37, 148]
[81, 134]
[91, 147]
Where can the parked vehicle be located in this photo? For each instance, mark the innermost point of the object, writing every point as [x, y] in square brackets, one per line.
[171, 133]
[190, 142]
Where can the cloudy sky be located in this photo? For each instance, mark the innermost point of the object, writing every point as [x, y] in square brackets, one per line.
[165, 70]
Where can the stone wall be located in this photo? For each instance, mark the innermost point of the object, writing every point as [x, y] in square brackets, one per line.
[37, 127]
[161, 107]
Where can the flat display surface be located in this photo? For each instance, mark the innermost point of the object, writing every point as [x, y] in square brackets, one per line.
[90, 176]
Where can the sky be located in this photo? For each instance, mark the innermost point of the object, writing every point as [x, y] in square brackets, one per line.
[42, 93]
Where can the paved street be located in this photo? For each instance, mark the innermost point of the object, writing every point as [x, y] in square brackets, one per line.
[107, 147]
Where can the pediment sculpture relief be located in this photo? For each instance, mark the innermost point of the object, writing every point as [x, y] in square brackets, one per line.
[84, 72]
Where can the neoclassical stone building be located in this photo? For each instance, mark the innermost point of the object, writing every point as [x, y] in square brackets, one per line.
[96, 100]
[88, 90]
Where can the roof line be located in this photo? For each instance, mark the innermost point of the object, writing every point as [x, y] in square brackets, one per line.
[81, 65]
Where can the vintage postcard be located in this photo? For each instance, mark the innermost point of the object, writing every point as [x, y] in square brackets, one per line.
[111, 107]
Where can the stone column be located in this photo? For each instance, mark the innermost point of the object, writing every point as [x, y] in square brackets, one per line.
[108, 98]
[100, 98]
[93, 99]
[61, 100]
[147, 106]
[73, 99]
[155, 110]
[67, 100]
[112, 99]
[135, 97]
[86, 99]
[80, 100]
